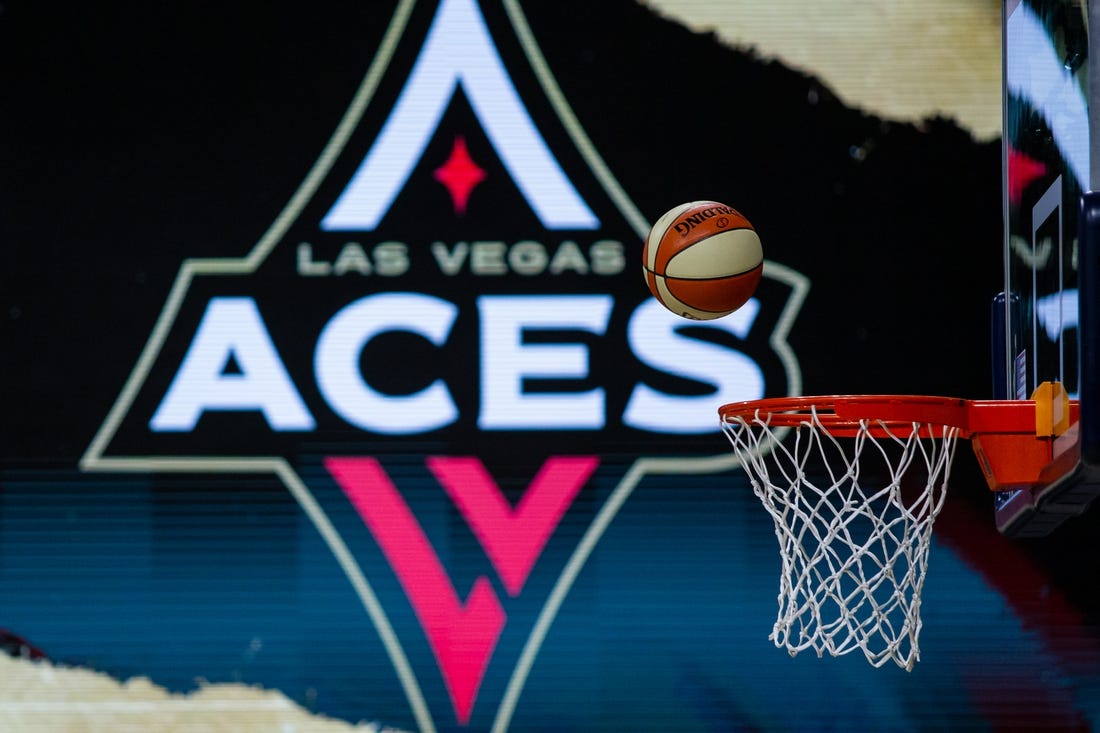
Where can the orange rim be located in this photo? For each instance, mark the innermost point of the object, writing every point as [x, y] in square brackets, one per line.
[843, 414]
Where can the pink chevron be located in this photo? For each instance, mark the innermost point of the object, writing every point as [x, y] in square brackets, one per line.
[513, 538]
[462, 636]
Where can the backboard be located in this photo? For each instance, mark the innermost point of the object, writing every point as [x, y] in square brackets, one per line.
[1041, 321]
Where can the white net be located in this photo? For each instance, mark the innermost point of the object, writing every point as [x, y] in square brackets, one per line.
[853, 517]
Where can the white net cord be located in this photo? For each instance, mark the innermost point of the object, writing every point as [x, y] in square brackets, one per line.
[854, 556]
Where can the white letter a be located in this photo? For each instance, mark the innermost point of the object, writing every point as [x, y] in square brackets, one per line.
[232, 328]
[459, 49]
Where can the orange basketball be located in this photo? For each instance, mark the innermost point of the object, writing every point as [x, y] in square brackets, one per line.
[702, 260]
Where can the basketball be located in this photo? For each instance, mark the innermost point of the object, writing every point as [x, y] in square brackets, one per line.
[702, 260]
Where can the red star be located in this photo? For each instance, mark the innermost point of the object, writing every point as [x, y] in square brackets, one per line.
[460, 175]
[1022, 170]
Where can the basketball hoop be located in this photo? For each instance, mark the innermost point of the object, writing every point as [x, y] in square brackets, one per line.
[855, 550]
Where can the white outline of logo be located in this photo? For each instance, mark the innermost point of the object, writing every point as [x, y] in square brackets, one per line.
[95, 460]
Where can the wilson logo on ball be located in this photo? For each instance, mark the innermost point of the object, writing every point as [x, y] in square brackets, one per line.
[702, 260]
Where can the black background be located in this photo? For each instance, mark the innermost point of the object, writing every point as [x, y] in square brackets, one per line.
[138, 134]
